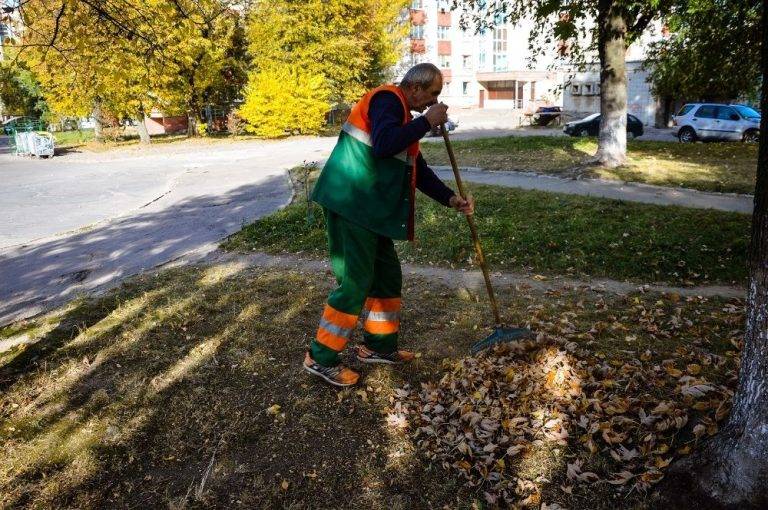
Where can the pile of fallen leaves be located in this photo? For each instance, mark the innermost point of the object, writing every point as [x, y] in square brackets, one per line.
[619, 422]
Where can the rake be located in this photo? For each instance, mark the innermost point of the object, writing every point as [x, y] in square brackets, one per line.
[501, 332]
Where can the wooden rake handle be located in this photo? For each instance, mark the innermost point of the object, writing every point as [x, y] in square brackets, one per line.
[472, 228]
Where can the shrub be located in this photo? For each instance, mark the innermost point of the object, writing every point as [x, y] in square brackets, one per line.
[284, 100]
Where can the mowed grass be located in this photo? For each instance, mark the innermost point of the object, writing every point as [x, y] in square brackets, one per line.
[719, 167]
[183, 390]
[75, 138]
[547, 234]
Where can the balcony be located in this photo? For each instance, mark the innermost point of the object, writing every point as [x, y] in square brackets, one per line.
[443, 47]
[418, 17]
[418, 46]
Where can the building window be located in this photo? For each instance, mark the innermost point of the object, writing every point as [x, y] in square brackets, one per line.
[499, 49]
[465, 87]
[499, 62]
[444, 61]
[446, 88]
[443, 5]
[587, 89]
[417, 31]
[418, 58]
[499, 40]
[481, 59]
[416, 4]
[442, 32]
[576, 89]
[466, 62]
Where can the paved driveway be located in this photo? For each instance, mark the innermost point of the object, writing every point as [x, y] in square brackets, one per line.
[79, 222]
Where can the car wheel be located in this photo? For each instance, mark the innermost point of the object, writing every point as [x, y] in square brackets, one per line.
[687, 135]
[630, 135]
[583, 132]
[752, 136]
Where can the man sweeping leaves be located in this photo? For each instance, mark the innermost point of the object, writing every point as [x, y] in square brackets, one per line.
[367, 189]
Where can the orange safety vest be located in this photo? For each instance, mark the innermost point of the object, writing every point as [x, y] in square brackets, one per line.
[377, 193]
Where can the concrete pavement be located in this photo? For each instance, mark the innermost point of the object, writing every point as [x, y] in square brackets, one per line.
[128, 211]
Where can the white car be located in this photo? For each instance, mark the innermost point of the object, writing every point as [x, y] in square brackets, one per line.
[713, 121]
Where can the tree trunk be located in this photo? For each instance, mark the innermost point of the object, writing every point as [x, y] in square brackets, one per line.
[731, 471]
[141, 127]
[612, 141]
[191, 124]
[97, 121]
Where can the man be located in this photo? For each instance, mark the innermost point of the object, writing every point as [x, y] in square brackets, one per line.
[367, 189]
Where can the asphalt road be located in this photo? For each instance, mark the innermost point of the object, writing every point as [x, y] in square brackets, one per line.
[80, 222]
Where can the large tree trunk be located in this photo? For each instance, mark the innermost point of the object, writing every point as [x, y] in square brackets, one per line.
[612, 30]
[731, 471]
[97, 121]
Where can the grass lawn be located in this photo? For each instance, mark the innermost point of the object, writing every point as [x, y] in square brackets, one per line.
[65, 139]
[182, 390]
[721, 167]
[549, 234]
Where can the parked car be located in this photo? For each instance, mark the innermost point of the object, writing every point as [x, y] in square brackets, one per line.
[590, 126]
[715, 121]
[546, 114]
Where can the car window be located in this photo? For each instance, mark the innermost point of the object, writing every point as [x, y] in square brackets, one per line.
[725, 112]
[685, 109]
[747, 112]
[590, 117]
[707, 111]
[632, 118]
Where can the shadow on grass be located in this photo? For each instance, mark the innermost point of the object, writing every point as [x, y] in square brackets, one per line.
[159, 394]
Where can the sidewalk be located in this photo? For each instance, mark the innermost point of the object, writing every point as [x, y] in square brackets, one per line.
[617, 190]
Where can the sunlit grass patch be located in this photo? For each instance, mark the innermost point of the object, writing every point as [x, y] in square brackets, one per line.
[719, 167]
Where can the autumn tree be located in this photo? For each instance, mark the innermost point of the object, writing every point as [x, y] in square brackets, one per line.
[731, 471]
[576, 27]
[128, 58]
[205, 46]
[712, 53]
[351, 44]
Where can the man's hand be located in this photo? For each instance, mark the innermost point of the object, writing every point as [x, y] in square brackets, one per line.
[437, 114]
[464, 206]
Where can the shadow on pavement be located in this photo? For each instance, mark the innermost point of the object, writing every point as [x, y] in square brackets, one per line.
[43, 274]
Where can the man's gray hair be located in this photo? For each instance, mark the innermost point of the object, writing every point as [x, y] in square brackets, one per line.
[421, 74]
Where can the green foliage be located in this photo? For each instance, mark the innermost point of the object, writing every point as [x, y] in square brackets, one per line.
[350, 43]
[20, 92]
[283, 100]
[713, 53]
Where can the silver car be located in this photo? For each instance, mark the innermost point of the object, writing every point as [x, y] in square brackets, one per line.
[713, 121]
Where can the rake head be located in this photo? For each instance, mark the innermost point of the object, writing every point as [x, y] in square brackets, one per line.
[501, 334]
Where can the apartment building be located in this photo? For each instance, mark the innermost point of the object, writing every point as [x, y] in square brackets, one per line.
[488, 70]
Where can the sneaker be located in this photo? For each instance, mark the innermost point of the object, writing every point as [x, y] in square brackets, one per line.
[365, 355]
[338, 375]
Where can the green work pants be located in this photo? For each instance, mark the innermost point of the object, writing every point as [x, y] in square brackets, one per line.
[369, 280]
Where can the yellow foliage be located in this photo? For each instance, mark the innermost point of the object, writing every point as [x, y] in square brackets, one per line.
[285, 100]
[353, 44]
